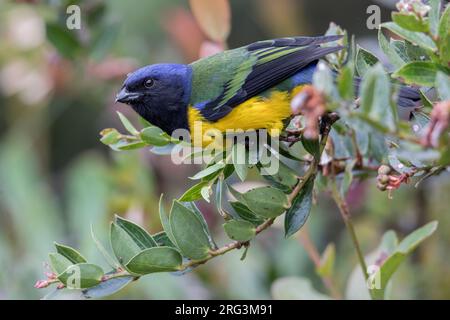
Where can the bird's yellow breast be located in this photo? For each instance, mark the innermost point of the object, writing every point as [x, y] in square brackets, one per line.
[256, 113]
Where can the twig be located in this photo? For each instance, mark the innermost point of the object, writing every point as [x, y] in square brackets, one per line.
[345, 213]
[359, 157]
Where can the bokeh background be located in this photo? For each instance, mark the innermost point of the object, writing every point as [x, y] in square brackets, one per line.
[57, 90]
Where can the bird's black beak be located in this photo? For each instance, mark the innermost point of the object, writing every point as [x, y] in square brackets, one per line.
[125, 96]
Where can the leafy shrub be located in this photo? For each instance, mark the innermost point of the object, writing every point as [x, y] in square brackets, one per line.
[338, 141]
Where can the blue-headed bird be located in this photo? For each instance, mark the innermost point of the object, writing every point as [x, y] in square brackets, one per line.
[248, 88]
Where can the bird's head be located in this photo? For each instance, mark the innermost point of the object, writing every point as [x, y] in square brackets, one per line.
[157, 90]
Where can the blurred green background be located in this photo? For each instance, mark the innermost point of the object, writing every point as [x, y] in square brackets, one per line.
[56, 178]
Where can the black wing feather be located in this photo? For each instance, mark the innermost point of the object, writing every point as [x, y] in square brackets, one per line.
[266, 75]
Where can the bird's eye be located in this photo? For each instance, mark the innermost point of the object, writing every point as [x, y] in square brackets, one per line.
[148, 83]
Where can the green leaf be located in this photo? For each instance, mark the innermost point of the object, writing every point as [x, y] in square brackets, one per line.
[323, 80]
[342, 142]
[160, 259]
[154, 136]
[298, 213]
[398, 165]
[285, 179]
[127, 124]
[444, 37]
[391, 264]
[389, 242]
[356, 288]
[337, 59]
[426, 102]
[81, 275]
[388, 49]
[188, 232]
[107, 288]
[208, 171]
[377, 145]
[58, 263]
[239, 160]
[364, 60]
[63, 40]
[194, 193]
[163, 240]
[266, 202]
[295, 288]
[236, 194]
[191, 206]
[420, 120]
[443, 85]
[422, 73]
[286, 152]
[409, 243]
[124, 145]
[348, 177]
[345, 83]
[312, 146]
[70, 253]
[409, 21]
[112, 263]
[219, 196]
[417, 38]
[240, 230]
[376, 101]
[433, 16]
[245, 213]
[415, 53]
[122, 244]
[110, 136]
[139, 235]
[165, 220]
[399, 47]
[325, 269]
[206, 193]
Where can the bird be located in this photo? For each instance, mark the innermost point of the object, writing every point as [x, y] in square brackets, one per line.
[247, 88]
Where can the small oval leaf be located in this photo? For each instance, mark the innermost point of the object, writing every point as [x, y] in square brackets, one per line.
[107, 288]
[300, 208]
[155, 136]
[160, 259]
[122, 244]
[240, 230]
[81, 276]
[139, 235]
[266, 202]
[188, 232]
[70, 253]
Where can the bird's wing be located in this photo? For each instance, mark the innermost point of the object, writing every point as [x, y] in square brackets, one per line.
[259, 66]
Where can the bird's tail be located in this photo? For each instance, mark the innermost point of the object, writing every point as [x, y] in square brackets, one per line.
[408, 97]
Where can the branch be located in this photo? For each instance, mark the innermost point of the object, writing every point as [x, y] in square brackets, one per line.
[327, 122]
